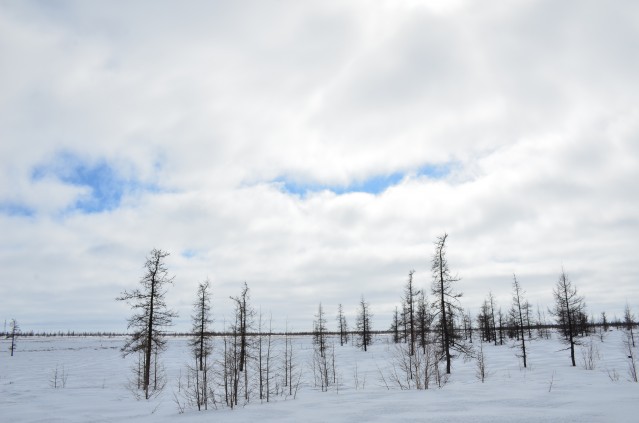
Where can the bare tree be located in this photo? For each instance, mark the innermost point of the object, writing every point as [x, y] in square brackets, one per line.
[409, 307]
[201, 340]
[468, 326]
[542, 326]
[629, 323]
[527, 312]
[150, 318]
[491, 303]
[244, 321]
[319, 331]
[395, 324]
[201, 345]
[605, 325]
[483, 322]
[264, 359]
[364, 327]
[500, 319]
[519, 304]
[342, 325]
[446, 302]
[480, 370]
[238, 347]
[321, 363]
[569, 307]
[15, 330]
[632, 359]
[424, 321]
[292, 370]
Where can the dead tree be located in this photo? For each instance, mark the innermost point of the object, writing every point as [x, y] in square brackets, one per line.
[542, 326]
[342, 325]
[446, 303]
[201, 340]
[240, 330]
[149, 320]
[424, 321]
[500, 319]
[395, 326]
[633, 370]
[319, 331]
[569, 306]
[519, 304]
[491, 302]
[15, 330]
[629, 323]
[605, 325]
[265, 358]
[483, 322]
[527, 311]
[363, 325]
[467, 321]
[200, 343]
[409, 307]
[291, 369]
[480, 370]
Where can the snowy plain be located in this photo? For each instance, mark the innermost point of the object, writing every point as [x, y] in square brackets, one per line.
[550, 389]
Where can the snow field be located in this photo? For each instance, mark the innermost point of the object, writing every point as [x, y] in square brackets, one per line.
[96, 386]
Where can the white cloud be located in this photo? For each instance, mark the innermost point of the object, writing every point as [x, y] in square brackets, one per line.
[534, 103]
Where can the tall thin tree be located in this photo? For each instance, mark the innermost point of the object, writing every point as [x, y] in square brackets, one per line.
[15, 330]
[491, 301]
[342, 325]
[519, 303]
[569, 305]
[319, 330]
[364, 326]
[409, 306]
[150, 318]
[244, 317]
[629, 323]
[424, 320]
[200, 343]
[395, 324]
[202, 320]
[446, 301]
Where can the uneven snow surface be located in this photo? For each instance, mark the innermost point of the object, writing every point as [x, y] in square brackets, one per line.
[97, 378]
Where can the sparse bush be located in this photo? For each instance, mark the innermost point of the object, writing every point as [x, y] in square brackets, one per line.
[59, 378]
[480, 370]
[590, 355]
[613, 375]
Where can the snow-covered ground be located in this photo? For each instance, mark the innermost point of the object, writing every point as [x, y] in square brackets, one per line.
[95, 379]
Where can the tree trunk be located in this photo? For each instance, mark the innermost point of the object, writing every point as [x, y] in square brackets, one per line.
[149, 341]
[443, 313]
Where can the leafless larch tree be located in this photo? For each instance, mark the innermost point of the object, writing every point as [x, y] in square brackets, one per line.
[446, 303]
[201, 345]
[569, 311]
[364, 325]
[151, 317]
[518, 312]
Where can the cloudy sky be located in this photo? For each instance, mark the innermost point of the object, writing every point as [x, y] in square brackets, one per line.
[314, 150]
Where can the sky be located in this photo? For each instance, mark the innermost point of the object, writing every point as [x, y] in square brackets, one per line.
[315, 151]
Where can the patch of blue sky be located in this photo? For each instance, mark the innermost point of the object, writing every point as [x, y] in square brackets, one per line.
[188, 253]
[15, 209]
[374, 185]
[106, 185]
[439, 171]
